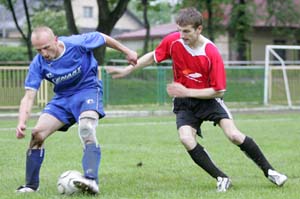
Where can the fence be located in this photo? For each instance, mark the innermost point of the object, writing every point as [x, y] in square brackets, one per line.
[244, 86]
[147, 86]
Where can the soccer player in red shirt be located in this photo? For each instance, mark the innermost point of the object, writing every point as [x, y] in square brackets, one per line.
[198, 87]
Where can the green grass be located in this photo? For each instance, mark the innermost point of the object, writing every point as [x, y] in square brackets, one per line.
[166, 171]
[245, 85]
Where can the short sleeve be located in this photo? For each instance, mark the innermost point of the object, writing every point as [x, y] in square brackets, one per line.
[34, 78]
[163, 50]
[217, 76]
[89, 41]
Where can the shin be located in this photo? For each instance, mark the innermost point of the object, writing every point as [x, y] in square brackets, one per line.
[92, 153]
[87, 130]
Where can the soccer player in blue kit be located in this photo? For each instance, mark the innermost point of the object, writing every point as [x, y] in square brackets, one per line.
[68, 63]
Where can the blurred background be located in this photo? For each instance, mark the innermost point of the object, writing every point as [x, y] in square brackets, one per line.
[257, 76]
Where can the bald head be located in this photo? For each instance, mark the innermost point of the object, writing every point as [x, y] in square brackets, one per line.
[46, 43]
[42, 33]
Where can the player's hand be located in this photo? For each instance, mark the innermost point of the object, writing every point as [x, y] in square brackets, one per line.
[176, 90]
[132, 57]
[118, 72]
[20, 131]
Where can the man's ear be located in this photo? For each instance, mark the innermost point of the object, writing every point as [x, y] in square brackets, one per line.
[199, 29]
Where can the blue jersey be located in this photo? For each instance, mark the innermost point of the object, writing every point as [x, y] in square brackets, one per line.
[76, 69]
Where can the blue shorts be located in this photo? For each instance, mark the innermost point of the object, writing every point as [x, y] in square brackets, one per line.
[68, 108]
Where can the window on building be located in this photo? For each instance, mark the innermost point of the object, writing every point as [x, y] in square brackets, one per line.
[87, 12]
[280, 52]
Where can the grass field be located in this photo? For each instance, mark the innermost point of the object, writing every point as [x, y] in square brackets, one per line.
[167, 172]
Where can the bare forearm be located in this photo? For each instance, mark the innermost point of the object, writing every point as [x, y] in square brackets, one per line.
[25, 110]
[119, 72]
[112, 43]
[131, 55]
[207, 93]
[145, 60]
[178, 90]
[26, 105]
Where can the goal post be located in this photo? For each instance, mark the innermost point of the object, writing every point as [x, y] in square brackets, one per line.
[286, 68]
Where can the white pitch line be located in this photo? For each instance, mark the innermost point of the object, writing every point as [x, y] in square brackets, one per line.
[167, 123]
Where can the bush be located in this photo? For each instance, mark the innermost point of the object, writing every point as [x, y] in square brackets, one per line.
[11, 53]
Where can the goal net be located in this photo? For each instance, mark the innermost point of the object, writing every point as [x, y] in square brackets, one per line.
[282, 76]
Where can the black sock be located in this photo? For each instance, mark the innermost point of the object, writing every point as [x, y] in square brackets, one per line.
[252, 151]
[201, 158]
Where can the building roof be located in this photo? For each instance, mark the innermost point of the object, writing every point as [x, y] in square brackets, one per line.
[261, 15]
[160, 31]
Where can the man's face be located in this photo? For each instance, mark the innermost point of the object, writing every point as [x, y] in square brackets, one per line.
[189, 34]
[46, 45]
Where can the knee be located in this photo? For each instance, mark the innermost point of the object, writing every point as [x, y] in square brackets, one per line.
[37, 138]
[188, 141]
[87, 130]
[236, 137]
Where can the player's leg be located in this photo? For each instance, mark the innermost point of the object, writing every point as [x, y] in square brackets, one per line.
[188, 120]
[88, 121]
[187, 136]
[245, 143]
[252, 150]
[88, 108]
[223, 117]
[46, 125]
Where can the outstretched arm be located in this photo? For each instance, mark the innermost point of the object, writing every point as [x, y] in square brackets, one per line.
[24, 112]
[131, 55]
[118, 72]
[178, 90]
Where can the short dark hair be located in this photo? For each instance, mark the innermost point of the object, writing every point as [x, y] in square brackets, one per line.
[189, 16]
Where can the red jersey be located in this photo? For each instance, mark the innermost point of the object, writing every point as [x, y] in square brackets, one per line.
[193, 68]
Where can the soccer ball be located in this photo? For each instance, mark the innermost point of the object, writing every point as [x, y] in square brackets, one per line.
[65, 183]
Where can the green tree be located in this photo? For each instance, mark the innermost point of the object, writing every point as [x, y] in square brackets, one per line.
[213, 14]
[240, 25]
[50, 15]
[109, 12]
[55, 20]
[283, 16]
[26, 36]
[157, 12]
[152, 12]
[70, 17]
[146, 25]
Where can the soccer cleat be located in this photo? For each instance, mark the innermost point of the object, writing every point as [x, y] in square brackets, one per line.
[86, 185]
[24, 189]
[223, 183]
[277, 178]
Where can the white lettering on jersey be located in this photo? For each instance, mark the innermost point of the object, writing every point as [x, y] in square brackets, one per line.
[68, 76]
[49, 75]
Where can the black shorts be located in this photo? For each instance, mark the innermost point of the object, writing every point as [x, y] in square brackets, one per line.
[193, 111]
